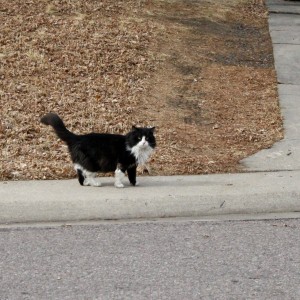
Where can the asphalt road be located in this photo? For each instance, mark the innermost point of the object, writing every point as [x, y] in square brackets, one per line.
[152, 260]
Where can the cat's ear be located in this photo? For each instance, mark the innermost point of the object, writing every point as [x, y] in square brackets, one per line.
[134, 128]
[152, 129]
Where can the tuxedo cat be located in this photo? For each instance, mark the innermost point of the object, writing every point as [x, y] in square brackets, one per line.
[100, 152]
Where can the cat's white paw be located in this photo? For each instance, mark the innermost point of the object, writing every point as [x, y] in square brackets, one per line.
[96, 182]
[119, 185]
[91, 182]
[86, 182]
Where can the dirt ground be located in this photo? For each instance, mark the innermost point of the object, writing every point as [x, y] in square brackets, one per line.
[202, 72]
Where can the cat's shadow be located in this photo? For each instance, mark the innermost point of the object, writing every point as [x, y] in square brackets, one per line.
[144, 182]
[178, 184]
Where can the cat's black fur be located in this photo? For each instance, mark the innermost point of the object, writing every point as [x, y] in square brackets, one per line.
[99, 152]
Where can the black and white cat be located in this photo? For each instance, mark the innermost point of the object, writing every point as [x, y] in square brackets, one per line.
[100, 152]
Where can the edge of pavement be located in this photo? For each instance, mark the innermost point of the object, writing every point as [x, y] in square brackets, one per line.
[156, 197]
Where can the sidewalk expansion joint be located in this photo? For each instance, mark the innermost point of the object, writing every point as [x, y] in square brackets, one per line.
[270, 171]
[283, 13]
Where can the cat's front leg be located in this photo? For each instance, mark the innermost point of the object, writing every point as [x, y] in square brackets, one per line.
[119, 176]
[132, 175]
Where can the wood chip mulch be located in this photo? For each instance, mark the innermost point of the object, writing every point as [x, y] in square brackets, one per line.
[201, 72]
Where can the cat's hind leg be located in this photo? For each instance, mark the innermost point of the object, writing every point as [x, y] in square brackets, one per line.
[80, 176]
[91, 180]
[86, 177]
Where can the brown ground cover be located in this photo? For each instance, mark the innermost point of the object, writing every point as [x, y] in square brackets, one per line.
[202, 72]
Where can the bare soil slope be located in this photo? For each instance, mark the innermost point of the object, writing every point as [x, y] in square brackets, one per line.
[202, 72]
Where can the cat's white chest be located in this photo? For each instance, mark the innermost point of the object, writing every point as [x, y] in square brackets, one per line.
[141, 153]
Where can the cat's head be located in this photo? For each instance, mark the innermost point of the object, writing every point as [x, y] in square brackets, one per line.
[143, 137]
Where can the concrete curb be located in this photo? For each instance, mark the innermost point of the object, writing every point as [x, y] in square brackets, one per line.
[157, 197]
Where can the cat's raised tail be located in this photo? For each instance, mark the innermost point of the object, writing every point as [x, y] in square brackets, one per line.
[59, 127]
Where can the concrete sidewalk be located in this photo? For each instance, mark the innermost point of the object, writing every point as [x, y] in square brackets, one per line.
[284, 27]
[278, 190]
[156, 197]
